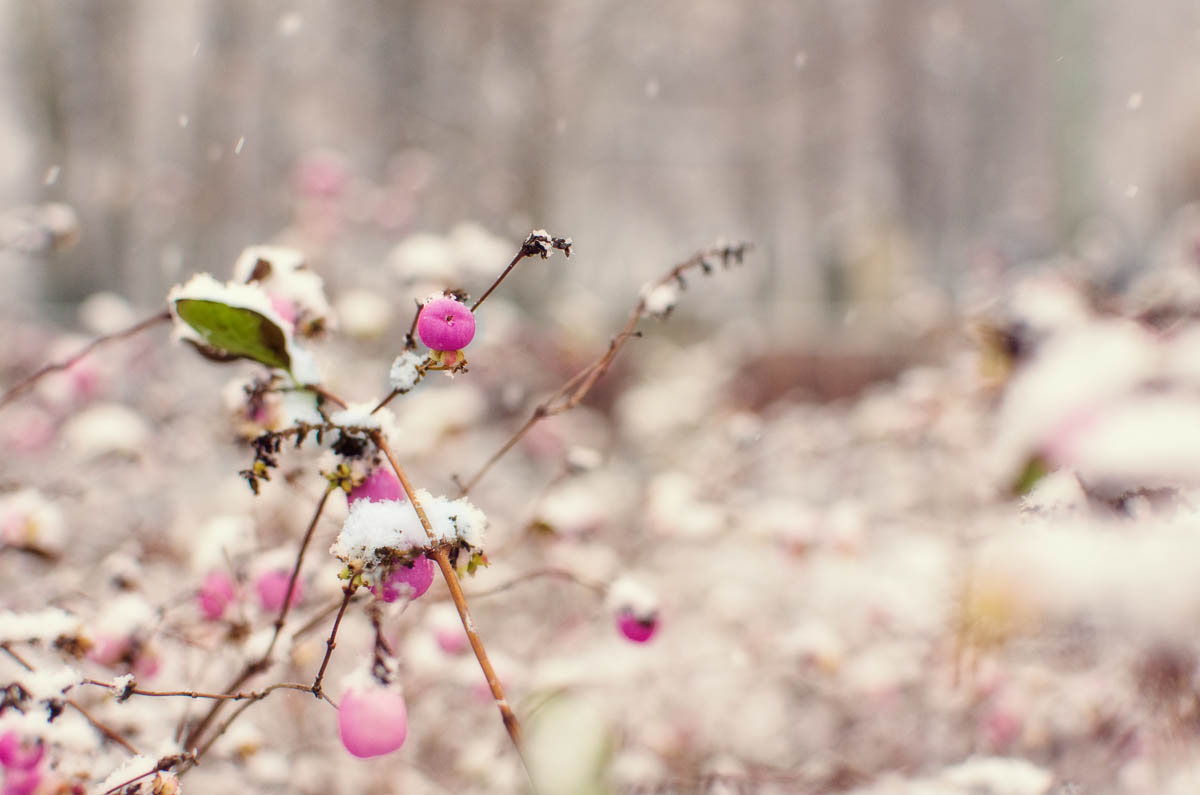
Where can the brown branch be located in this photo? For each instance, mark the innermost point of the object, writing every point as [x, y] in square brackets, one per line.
[441, 556]
[410, 339]
[313, 622]
[325, 394]
[576, 388]
[166, 763]
[534, 246]
[4, 647]
[28, 381]
[287, 600]
[348, 589]
[107, 731]
[259, 665]
[248, 700]
[240, 696]
[561, 574]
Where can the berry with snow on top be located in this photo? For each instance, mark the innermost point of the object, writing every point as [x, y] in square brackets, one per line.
[446, 327]
[636, 609]
[215, 594]
[272, 587]
[16, 754]
[638, 630]
[409, 581]
[372, 719]
[379, 485]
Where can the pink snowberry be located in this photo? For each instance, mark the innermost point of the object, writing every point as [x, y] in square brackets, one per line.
[372, 719]
[272, 589]
[283, 307]
[18, 755]
[451, 640]
[216, 593]
[109, 649]
[379, 486]
[410, 581]
[22, 782]
[638, 630]
[446, 325]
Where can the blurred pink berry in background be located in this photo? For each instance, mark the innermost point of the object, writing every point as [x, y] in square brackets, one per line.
[21, 782]
[322, 174]
[410, 581]
[638, 630]
[272, 589]
[18, 755]
[146, 664]
[446, 325]
[283, 307]
[216, 593]
[372, 719]
[380, 485]
[108, 649]
[451, 641]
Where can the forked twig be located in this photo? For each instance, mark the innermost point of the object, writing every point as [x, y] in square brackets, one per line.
[28, 381]
[259, 665]
[576, 388]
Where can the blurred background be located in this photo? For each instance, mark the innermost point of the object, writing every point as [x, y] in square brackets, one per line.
[892, 558]
[865, 146]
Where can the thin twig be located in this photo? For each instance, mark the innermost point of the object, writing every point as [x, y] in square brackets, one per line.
[410, 339]
[4, 647]
[54, 367]
[325, 394]
[248, 700]
[520, 256]
[241, 696]
[448, 574]
[287, 600]
[561, 574]
[316, 620]
[349, 589]
[259, 665]
[166, 763]
[538, 244]
[107, 731]
[576, 388]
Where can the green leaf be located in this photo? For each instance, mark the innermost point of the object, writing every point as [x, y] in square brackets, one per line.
[238, 332]
[1035, 469]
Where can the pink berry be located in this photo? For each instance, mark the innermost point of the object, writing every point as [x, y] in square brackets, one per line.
[272, 589]
[446, 325]
[109, 649]
[638, 630]
[146, 664]
[283, 307]
[21, 782]
[379, 486]
[451, 640]
[372, 720]
[17, 755]
[410, 581]
[216, 593]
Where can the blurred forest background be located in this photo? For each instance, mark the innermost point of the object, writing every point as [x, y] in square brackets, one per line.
[865, 146]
